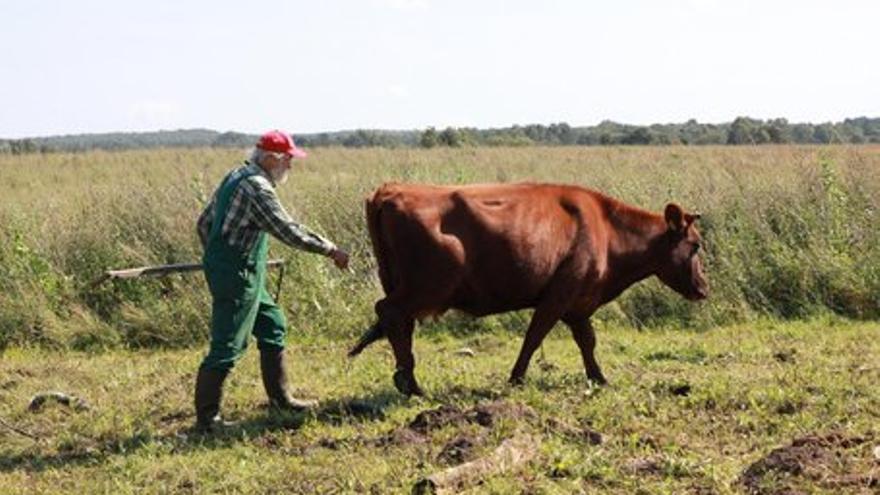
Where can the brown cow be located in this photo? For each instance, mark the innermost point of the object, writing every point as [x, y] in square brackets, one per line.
[485, 249]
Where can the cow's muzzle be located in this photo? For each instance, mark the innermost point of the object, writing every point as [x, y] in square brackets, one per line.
[699, 294]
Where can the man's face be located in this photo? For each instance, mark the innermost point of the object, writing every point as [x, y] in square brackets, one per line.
[278, 167]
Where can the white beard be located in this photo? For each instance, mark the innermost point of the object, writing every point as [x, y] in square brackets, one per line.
[279, 177]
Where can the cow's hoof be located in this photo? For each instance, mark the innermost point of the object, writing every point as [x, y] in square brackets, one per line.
[517, 381]
[598, 380]
[406, 383]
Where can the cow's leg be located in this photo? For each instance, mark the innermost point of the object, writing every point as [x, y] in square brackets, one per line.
[399, 329]
[585, 337]
[542, 321]
[557, 298]
[401, 343]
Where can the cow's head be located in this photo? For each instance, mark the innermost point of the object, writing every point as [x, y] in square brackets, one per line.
[680, 265]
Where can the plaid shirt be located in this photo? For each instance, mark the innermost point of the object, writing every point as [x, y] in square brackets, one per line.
[254, 207]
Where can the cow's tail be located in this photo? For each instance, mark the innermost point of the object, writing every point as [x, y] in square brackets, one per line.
[373, 207]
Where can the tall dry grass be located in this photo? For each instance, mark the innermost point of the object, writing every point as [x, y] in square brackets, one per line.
[790, 232]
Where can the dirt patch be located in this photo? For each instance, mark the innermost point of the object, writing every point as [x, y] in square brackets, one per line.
[488, 414]
[833, 460]
[788, 407]
[459, 450]
[418, 430]
[785, 355]
[400, 436]
[484, 415]
[434, 419]
[678, 388]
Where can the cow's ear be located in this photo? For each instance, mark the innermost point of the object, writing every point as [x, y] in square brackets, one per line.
[675, 218]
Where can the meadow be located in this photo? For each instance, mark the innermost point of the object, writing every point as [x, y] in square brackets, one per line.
[783, 354]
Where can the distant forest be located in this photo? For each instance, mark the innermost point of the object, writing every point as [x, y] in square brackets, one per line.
[742, 131]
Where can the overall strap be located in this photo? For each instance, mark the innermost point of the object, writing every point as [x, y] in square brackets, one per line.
[224, 196]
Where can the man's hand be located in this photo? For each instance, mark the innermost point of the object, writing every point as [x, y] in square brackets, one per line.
[340, 258]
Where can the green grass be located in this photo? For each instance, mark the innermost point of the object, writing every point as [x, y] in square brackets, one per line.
[790, 233]
[784, 349]
[749, 389]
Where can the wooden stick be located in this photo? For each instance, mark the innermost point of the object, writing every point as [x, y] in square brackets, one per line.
[159, 270]
[19, 430]
[510, 454]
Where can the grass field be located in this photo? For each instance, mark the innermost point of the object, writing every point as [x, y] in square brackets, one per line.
[783, 355]
[790, 233]
[686, 412]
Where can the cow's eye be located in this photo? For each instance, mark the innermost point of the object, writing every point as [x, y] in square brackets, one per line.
[695, 249]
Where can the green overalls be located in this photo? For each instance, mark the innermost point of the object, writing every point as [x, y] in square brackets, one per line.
[237, 280]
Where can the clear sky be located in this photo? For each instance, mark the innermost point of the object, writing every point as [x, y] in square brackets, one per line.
[309, 66]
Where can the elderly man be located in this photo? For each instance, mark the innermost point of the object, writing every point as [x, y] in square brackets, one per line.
[232, 229]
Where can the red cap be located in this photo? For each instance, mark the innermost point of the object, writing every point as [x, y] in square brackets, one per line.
[280, 142]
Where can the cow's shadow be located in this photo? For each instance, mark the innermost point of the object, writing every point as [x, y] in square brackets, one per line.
[348, 409]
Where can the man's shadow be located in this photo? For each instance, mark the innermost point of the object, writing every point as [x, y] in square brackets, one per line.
[366, 408]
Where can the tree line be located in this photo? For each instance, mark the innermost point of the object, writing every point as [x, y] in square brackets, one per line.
[742, 131]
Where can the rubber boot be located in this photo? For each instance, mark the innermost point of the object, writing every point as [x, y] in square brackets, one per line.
[209, 391]
[275, 381]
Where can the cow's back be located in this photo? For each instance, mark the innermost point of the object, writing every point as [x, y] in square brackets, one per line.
[480, 248]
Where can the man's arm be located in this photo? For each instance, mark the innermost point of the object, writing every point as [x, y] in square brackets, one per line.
[271, 216]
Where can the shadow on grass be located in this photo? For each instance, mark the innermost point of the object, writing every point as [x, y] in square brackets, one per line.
[91, 452]
[459, 393]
